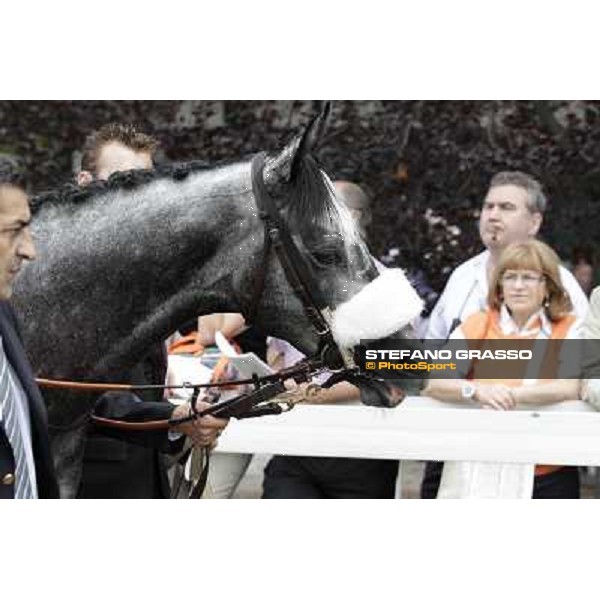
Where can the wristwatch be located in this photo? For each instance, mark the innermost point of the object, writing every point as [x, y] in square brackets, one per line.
[468, 390]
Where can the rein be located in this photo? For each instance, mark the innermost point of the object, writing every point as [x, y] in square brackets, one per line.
[252, 404]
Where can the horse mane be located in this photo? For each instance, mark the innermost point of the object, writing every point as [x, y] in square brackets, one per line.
[309, 200]
[72, 193]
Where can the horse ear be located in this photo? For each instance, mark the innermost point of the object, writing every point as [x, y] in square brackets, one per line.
[283, 167]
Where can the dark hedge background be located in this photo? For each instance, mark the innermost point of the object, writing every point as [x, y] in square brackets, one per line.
[426, 163]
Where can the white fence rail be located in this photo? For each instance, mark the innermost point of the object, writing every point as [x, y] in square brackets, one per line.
[422, 428]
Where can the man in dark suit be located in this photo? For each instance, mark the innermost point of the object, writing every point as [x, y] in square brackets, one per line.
[26, 469]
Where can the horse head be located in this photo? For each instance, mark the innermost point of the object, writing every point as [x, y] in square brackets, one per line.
[319, 243]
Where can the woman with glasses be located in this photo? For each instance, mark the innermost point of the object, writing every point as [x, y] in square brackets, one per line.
[526, 301]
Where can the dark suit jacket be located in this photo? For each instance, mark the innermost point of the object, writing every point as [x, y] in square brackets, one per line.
[44, 469]
[121, 464]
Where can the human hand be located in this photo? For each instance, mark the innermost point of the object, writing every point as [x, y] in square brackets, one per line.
[396, 395]
[311, 393]
[307, 393]
[229, 324]
[203, 431]
[496, 395]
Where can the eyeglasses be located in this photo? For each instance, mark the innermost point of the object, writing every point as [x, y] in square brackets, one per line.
[527, 279]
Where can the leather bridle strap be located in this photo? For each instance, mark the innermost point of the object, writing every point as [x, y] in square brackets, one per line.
[294, 267]
[80, 386]
[258, 188]
[302, 369]
[252, 404]
[87, 387]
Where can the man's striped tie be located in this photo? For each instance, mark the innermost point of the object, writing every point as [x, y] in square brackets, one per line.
[12, 428]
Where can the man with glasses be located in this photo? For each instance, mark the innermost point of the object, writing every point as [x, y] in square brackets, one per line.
[512, 211]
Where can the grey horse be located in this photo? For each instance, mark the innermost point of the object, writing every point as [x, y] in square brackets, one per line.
[121, 264]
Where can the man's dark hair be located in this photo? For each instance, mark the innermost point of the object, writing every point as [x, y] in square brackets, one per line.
[127, 135]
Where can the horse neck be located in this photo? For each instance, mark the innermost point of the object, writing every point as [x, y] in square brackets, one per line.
[137, 264]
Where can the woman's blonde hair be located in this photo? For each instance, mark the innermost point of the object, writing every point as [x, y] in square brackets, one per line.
[535, 256]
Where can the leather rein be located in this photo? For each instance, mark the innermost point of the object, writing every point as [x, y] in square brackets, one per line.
[257, 402]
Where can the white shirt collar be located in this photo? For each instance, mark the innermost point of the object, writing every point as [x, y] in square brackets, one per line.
[480, 265]
[538, 324]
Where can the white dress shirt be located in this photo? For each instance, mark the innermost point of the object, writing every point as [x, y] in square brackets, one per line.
[24, 421]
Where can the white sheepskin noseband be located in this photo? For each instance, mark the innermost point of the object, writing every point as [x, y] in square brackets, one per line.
[381, 308]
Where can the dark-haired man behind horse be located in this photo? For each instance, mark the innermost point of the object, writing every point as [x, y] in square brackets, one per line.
[26, 469]
[115, 468]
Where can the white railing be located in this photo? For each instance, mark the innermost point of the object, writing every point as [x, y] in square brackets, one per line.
[425, 429]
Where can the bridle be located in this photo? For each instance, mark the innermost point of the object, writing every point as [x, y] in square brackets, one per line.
[278, 237]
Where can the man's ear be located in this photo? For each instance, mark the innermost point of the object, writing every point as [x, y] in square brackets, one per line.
[84, 178]
[536, 223]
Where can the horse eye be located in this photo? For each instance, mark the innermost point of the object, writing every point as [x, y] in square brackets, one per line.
[330, 257]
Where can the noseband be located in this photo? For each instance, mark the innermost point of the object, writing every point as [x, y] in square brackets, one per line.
[278, 237]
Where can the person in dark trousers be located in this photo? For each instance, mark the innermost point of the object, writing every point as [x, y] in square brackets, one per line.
[26, 469]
